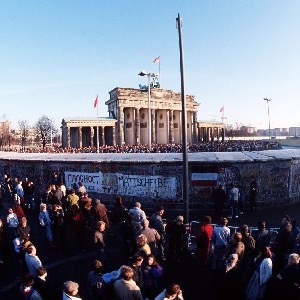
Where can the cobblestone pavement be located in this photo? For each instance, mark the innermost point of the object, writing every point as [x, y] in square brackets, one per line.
[73, 264]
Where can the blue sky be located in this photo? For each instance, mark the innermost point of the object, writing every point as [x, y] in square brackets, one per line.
[56, 56]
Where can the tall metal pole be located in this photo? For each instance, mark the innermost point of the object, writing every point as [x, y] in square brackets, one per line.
[149, 114]
[185, 188]
[51, 143]
[268, 100]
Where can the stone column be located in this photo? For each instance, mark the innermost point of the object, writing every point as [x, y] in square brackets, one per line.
[207, 134]
[102, 136]
[92, 136]
[194, 133]
[80, 136]
[137, 126]
[114, 135]
[171, 127]
[120, 126]
[153, 126]
[67, 137]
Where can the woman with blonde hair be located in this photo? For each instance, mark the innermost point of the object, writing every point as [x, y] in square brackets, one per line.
[143, 248]
[45, 222]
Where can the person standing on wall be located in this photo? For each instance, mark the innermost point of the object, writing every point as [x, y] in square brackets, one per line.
[253, 192]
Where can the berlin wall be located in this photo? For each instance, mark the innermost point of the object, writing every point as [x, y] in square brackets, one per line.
[157, 178]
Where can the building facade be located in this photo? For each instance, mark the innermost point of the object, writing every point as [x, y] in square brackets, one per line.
[128, 121]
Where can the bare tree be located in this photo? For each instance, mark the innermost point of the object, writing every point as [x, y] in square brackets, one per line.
[4, 133]
[24, 130]
[44, 130]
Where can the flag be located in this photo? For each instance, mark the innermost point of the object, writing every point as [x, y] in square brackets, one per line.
[96, 102]
[222, 109]
[157, 59]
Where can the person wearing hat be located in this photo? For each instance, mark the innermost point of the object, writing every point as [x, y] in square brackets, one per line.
[71, 291]
[176, 232]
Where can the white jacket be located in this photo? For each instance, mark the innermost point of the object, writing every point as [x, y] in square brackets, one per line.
[265, 270]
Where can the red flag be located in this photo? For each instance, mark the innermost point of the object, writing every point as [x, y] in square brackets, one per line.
[157, 59]
[222, 109]
[96, 102]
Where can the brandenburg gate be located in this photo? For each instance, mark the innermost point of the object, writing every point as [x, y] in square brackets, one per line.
[128, 122]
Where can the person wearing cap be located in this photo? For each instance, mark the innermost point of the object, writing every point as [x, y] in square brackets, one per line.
[71, 291]
[176, 232]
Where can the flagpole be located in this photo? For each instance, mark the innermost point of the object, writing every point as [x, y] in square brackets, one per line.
[97, 127]
[159, 72]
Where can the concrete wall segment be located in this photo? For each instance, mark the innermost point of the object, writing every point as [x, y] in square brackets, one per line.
[150, 177]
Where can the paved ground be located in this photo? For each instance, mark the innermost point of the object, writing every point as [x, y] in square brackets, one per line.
[73, 264]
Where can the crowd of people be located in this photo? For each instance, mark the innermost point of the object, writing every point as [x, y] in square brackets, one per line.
[61, 210]
[213, 146]
[249, 264]
[245, 264]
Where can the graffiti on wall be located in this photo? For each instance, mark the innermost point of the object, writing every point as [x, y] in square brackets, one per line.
[123, 184]
[277, 179]
[295, 180]
[202, 184]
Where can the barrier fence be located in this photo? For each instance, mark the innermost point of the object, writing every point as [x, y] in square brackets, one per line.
[193, 230]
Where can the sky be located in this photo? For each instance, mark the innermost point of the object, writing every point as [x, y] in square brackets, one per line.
[56, 56]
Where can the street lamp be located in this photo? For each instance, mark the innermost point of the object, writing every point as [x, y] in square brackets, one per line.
[268, 100]
[51, 132]
[144, 73]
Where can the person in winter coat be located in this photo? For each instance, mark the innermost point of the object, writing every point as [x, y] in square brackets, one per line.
[45, 222]
[176, 232]
[153, 273]
[256, 287]
[204, 241]
[126, 288]
[70, 291]
[97, 288]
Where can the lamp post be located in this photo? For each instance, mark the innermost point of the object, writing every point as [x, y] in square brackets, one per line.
[185, 164]
[51, 132]
[268, 100]
[51, 143]
[143, 73]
